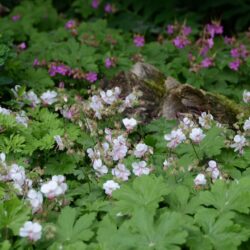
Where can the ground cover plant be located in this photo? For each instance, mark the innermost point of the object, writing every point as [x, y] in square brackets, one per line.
[80, 169]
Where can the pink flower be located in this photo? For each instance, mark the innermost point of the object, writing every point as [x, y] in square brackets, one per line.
[235, 52]
[58, 69]
[204, 50]
[186, 30]
[139, 41]
[16, 18]
[22, 46]
[180, 42]
[108, 63]
[170, 29]
[36, 62]
[108, 8]
[91, 77]
[206, 62]
[234, 65]
[214, 29]
[210, 43]
[71, 24]
[95, 4]
[228, 40]
[243, 51]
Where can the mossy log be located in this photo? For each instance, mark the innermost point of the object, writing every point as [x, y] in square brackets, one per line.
[167, 97]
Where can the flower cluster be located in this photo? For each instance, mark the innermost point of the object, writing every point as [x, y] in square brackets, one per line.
[139, 41]
[20, 117]
[112, 153]
[48, 97]
[55, 187]
[182, 31]
[239, 54]
[107, 102]
[213, 170]
[188, 129]
[16, 175]
[239, 142]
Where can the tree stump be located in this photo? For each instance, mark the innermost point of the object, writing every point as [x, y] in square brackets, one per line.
[169, 98]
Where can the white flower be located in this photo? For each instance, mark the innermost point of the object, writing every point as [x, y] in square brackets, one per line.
[121, 172]
[22, 119]
[140, 168]
[175, 138]
[188, 123]
[140, 150]
[239, 143]
[17, 174]
[93, 154]
[109, 186]
[105, 147]
[213, 169]
[36, 200]
[2, 157]
[200, 179]
[55, 187]
[32, 97]
[96, 105]
[119, 148]
[246, 96]
[129, 100]
[31, 230]
[100, 167]
[49, 189]
[108, 135]
[205, 120]
[5, 111]
[97, 164]
[62, 186]
[129, 123]
[212, 164]
[59, 142]
[247, 124]
[49, 97]
[197, 135]
[110, 96]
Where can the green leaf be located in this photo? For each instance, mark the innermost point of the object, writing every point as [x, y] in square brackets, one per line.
[107, 236]
[165, 233]
[61, 164]
[228, 197]
[143, 232]
[69, 229]
[145, 192]
[213, 142]
[13, 214]
[180, 200]
[38, 79]
[215, 232]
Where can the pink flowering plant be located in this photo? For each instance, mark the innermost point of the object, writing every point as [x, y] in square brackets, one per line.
[81, 168]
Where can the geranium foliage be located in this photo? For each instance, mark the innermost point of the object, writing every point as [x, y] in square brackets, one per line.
[79, 166]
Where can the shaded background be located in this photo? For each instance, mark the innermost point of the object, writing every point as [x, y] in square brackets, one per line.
[151, 15]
